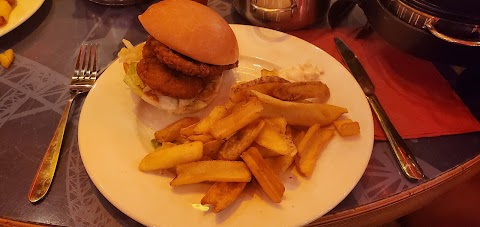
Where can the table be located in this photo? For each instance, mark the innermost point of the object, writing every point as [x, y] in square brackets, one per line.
[34, 91]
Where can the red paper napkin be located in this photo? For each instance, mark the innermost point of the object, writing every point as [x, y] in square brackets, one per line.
[418, 100]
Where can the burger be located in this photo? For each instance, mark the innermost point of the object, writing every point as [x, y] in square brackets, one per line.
[179, 68]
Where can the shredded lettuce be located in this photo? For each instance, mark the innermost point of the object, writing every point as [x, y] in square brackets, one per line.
[130, 54]
[133, 81]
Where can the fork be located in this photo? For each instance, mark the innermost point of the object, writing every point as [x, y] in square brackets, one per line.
[84, 76]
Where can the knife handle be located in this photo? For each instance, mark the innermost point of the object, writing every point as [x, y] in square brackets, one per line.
[405, 158]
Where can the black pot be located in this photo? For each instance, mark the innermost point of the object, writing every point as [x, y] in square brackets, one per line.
[443, 31]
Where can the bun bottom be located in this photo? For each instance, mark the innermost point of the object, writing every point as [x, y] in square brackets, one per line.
[184, 106]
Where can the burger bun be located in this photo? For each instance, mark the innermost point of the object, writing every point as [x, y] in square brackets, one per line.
[193, 30]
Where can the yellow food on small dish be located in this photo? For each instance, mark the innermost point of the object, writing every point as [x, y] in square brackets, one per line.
[6, 7]
[6, 58]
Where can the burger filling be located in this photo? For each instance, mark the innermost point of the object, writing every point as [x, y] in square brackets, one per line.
[183, 63]
[169, 73]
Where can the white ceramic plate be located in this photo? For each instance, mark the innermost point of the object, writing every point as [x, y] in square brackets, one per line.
[116, 127]
[22, 11]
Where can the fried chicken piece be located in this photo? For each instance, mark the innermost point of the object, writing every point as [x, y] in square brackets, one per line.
[185, 64]
[169, 82]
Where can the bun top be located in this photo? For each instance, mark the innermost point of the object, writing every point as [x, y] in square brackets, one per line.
[193, 30]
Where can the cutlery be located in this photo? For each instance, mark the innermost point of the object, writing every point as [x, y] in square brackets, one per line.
[405, 158]
[84, 76]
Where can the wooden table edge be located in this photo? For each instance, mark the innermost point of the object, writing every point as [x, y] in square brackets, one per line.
[378, 212]
[12, 223]
[398, 205]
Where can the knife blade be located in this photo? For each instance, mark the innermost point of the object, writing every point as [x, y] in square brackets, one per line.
[404, 156]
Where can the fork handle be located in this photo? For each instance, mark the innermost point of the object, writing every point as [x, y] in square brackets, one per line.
[43, 179]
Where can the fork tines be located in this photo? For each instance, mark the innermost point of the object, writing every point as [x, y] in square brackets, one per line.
[86, 64]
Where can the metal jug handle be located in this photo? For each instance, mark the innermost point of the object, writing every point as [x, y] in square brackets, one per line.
[430, 25]
[290, 9]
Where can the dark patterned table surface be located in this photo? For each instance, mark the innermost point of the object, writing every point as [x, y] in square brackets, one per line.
[34, 90]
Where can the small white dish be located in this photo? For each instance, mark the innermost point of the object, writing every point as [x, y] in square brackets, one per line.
[22, 11]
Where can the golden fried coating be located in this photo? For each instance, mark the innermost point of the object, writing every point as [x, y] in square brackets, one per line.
[184, 64]
[169, 82]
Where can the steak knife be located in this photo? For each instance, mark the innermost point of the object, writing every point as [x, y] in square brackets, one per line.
[405, 158]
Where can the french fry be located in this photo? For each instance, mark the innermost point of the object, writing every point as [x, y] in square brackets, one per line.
[181, 140]
[214, 171]
[302, 90]
[309, 136]
[244, 94]
[201, 137]
[165, 145]
[172, 156]
[229, 105]
[227, 126]
[265, 88]
[172, 131]
[267, 73]
[265, 85]
[239, 142]
[221, 194]
[299, 114]
[265, 152]
[279, 122]
[206, 123]
[206, 158]
[280, 164]
[347, 127]
[235, 107]
[272, 139]
[188, 131]
[268, 180]
[211, 148]
[298, 137]
[310, 149]
[302, 141]
[262, 80]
